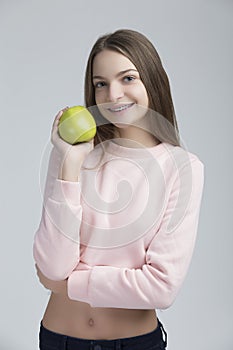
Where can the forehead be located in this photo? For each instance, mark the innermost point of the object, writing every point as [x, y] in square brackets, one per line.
[109, 62]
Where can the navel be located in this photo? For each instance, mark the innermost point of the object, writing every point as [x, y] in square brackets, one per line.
[91, 322]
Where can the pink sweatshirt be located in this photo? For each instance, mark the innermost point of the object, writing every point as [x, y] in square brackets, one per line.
[124, 234]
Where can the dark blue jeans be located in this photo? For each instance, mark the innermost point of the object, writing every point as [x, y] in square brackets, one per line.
[155, 340]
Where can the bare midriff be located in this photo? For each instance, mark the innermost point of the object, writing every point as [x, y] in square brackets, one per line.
[78, 319]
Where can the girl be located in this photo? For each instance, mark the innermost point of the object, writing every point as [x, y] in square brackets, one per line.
[120, 212]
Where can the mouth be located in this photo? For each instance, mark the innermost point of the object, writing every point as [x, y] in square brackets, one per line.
[120, 108]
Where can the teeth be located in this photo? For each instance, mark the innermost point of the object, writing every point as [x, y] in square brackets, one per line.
[120, 108]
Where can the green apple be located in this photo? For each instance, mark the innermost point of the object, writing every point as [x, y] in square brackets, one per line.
[76, 125]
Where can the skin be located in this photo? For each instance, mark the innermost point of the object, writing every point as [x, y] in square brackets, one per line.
[117, 82]
[79, 319]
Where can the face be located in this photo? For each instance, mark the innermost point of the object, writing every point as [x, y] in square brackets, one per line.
[119, 92]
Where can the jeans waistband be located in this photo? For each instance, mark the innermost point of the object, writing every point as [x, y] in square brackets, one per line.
[62, 342]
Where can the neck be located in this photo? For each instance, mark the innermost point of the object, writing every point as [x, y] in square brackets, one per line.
[135, 137]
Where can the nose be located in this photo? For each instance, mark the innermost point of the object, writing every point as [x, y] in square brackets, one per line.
[115, 92]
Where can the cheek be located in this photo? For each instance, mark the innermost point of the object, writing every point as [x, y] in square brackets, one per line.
[142, 98]
[99, 97]
[140, 94]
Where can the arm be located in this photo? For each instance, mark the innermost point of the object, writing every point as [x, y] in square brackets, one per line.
[156, 284]
[56, 242]
[57, 287]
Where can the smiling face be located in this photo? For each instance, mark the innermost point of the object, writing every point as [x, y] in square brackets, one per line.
[119, 92]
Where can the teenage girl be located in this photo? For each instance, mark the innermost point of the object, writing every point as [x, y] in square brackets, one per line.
[121, 211]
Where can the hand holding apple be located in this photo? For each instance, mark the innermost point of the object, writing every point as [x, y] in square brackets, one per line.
[72, 155]
[76, 125]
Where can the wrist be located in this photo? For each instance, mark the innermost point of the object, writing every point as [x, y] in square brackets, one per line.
[69, 170]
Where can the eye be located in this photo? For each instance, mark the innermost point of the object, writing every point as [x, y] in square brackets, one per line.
[99, 84]
[129, 78]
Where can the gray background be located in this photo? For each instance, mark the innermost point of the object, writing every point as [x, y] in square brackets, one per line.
[44, 48]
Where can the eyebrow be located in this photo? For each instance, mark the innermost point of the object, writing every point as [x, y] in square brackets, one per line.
[118, 74]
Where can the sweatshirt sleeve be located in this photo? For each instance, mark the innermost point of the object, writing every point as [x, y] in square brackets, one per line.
[156, 284]
[56, 241]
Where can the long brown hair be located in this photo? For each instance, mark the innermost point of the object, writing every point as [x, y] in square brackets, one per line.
[141, 52]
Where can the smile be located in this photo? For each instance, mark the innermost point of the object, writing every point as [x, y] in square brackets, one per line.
[121, 108]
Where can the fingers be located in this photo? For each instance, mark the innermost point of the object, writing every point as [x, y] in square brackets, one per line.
[55, 124]
[58, 116]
